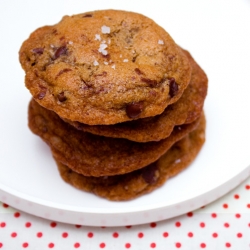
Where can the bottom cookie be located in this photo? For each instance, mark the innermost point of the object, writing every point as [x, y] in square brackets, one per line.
[142, 181]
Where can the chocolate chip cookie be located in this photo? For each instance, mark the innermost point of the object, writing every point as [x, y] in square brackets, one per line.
[104, 67]
[145, 180]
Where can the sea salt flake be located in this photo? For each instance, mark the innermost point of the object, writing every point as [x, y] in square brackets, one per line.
[70, 42]
[102, 48]
[113, 66]
[160, 42]
[96, 63]
[125, 60]
[177, 161]
[106, 63]
[97, 37]
[105, 29]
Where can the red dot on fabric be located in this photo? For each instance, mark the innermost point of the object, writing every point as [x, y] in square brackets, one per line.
[153, 224]
[65, 235]
[248, 205]
[203, 245]
[152, 245]
[127, 245]
[90, 234]
[190, 234]
[248, 224]
[115, 235]
[128, 226]
[215, 235]
[226, 224]
[1, 244]
[247, 187]
[189, 214]
[140, 235]
[78, 226]
[5, 205]
[76, 245]
[13, 235]
[239, 235]
[16, 214]
[2, 224]
[236, 196]
[51, 245]
[27, 224]
[102, 245]
[53, 224]
[165, 234]
[225, 205]
[39, 234]
[237, 215]
[178, 245]
[214, 215]
[202, 224]
[25, 245]
[177, 224]
[228, 244]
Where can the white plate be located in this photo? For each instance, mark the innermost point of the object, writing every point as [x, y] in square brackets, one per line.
[218, 36]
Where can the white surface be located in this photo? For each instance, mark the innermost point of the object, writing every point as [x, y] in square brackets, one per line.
[218, 36]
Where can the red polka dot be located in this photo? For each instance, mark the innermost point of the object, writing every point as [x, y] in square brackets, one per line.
[1, 244]
[140, 235]
[237, 216]
[5, 205]
[248, 205]
[76, 245]
[115, 235]
[178, 245]
[16, 214]
[189, 214]
[202, 224]
[177, 224]
[203, 245]
[65, 235]
[152, 245]
[226, 224]
[13, 235]
[53, 224]
[228, 244]
[248, 224]
[190, 234]
[2, 224]
[102, 245]
[90, 234]
[127, 245]
[78, 226]
[153, 224]
[215, 235]
[39, 234]
[247, 187]
[225, 206]
[27, 224]
[239, 235]
[165, 234]
[236, 196]
[214, 215]
[25, 245]
[51, 245]
[128, 226]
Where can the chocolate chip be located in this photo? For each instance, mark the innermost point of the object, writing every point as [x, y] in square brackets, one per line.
[41, 94]
[60, 51]
[173, 87]
[63, 71]
[61, 97]
[87, 15]
[134, 109]
[138, 71]
[151, 83]
[38, 51]
[149, 174]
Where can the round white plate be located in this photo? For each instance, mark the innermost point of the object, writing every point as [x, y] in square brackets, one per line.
[218, 36]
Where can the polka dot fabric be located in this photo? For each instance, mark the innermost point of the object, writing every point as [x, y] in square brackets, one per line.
[224, 224]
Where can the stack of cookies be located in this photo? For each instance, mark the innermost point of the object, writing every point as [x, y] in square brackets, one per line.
[117, 100]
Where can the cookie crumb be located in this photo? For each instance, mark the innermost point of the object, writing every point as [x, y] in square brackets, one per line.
[105, 29]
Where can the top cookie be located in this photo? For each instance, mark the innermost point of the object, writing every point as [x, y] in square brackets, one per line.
[104, 67]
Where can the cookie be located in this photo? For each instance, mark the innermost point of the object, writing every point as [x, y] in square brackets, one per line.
[142, 181]
[187, 109]
[93, 155]
[104, 67]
